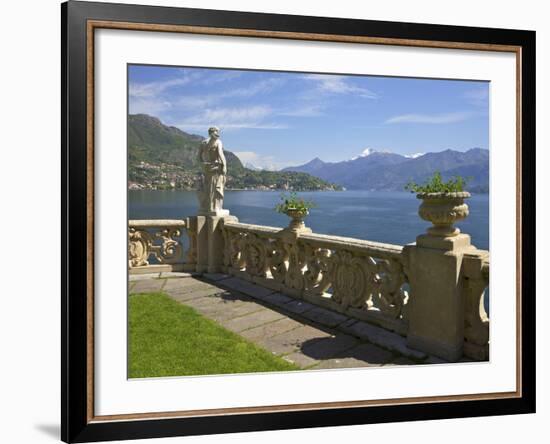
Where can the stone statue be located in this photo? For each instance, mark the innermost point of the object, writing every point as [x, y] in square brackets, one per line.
[214, 169]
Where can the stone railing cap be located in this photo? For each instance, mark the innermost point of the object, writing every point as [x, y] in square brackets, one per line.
[151, 223]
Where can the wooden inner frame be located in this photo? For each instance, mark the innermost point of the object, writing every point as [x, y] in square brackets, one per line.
[92, 25]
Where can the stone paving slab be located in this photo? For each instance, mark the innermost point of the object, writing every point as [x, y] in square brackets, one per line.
[221, 310]
[339, 363]
[362, 355]
[271, 329]
[216, 276]
[301, 360]
[184, 297]
[260, 317]
[147, 286]
[313, 352]
[381, 337]
[143, 277]
[193, 292]
[233, 311]
[325, 317]
[277, 299]
[298, 307]
[178, 284]
[328, 347]
[245, 287]
[209, 303]
[292, 340]
[368, 355]
[371, 353]
[176, 274]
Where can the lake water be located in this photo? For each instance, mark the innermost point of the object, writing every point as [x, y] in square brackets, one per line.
[390, 217]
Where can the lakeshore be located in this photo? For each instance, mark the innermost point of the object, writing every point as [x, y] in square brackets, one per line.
[390, 217]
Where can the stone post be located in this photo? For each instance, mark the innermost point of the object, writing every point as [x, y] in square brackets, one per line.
[209, 243]
[436, 307]
[216, 246]
[191, 257]
[202, 244]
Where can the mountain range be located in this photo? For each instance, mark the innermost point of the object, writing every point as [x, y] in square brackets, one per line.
[377, 170]
[165, 157]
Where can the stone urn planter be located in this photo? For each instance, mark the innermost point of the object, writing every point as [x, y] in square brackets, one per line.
[443, 210]
[297, 219]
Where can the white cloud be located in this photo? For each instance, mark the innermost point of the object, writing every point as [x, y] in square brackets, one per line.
[193, 103]
[221, 76]
[259, 161]
[333, 84]
[232, 115]
[153, 89]
[231, 118]
[368, 151]
[148, 105]
[435, 119]
[152, 97]
[263, 86]
[303, 111]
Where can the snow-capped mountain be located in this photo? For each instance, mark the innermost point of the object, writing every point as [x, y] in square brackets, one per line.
[383, 170]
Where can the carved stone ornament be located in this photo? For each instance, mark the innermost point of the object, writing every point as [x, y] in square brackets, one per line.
[162, 243]
[443, 210]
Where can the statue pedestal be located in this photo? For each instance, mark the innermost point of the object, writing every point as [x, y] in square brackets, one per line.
[217, 213]
[216, 241]
[210, 241]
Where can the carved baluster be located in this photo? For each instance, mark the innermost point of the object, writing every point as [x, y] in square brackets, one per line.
[255, 254]
[294, 277]
[277, 260]
[318, 273]
[139, 244]
[350, 281]
[312, 275]
[228, 247]
[476, 321]
[170, 250]
[238, 261]
[388, 295]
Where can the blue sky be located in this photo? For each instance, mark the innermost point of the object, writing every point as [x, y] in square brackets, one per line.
[272, 120]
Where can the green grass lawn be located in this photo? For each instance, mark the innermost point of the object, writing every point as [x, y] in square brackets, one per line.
[167, 338]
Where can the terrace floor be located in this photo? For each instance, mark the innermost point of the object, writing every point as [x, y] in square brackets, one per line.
[309, 336]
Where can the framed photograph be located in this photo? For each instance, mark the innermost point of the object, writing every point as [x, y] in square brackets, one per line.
[275, 221]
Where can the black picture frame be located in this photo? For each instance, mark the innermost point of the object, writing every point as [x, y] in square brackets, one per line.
[77, 425]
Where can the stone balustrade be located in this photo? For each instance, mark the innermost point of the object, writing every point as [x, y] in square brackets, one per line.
[363, 279]
[430, 292]
[157, 245]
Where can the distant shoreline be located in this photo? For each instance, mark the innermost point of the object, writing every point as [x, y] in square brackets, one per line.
[304, 191]
[243, 189]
